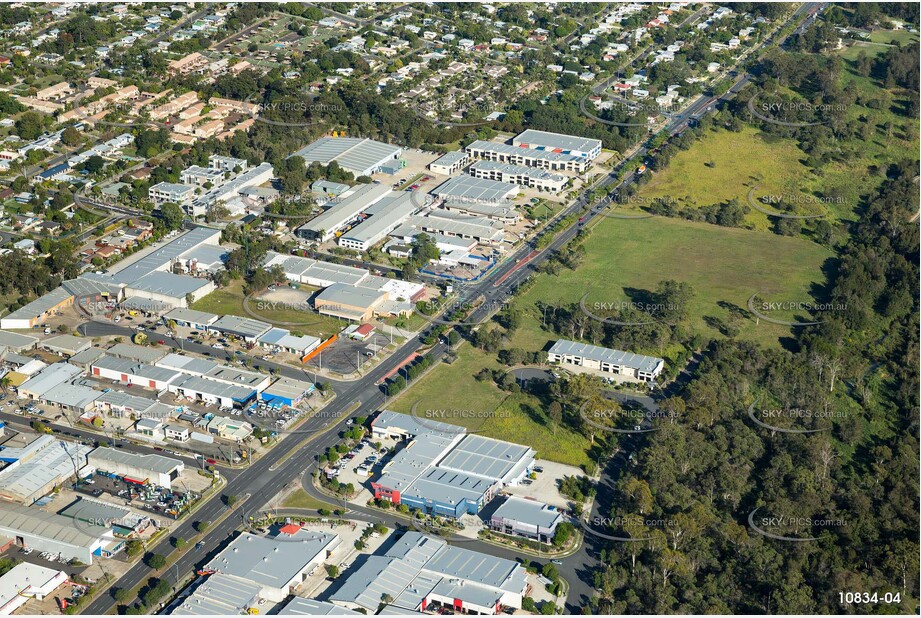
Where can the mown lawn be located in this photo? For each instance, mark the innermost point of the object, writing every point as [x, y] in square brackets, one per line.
[300, 499]
[725, 266]
[514, 418]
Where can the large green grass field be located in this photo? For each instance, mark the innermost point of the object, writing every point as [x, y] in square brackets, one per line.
[725, 266]
[728, 165]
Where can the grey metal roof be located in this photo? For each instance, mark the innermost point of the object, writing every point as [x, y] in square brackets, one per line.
[87, 510]
[207, 256]
[534, 138]
[350, 295]
[467, 187]
[142, 461]
[219, 595]
[16, 341]
[86, 286]
[183, 314]
[168, 284]
[87, 356]
[151, 372]
[528, 512]
[66, 343]
[162, 255]
[288, 387]
[506, 149]
[144, 304]
[441, 224]
[126, 400]
[385, 216]
[137, 353]
[475, 567]
[19, 519]
[299, 606]
[296, 266]
[49, 377]
[245, 327]
[269, 562]
[450, 158]
[72, 395]
[218, 389]
[607, 355]
[42, 464]
[354, 154]
[448, 487]
[485, 457]
[186, 364]
[377, 577]
[518, 170]
[416, 564]
[408, 423]
[347, 208]
[40, 305]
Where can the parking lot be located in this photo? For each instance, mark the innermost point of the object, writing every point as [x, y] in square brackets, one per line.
[156, 500]
[346, 355]
[544, 488]
[361, 464]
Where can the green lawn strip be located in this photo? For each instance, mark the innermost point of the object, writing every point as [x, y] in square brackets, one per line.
[300, 499]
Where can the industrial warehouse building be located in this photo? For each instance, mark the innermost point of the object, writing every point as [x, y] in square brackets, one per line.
[161, 292]
[585, 147]
[627, 366]
[381, 219]
[482, 231]
[66, 345]
[121, 405]
[421, 573]
[247, 329]
[16, 342]
[442, 470]
[299, 606]
[27, 581]
[33, 470]
[43, 531]
[350, 302]
[528, 518]
[449, 163]
[343, 211]
[281, 340]
[544, 159]
[360, 156]
[286, 392]
[519, 175]
[191, 318]
[350, 293]
[468, 188]
[276, 565]
[220, 595]
[137, 467]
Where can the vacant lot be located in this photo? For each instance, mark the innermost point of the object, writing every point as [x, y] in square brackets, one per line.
[725, 266]
[725, 165]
